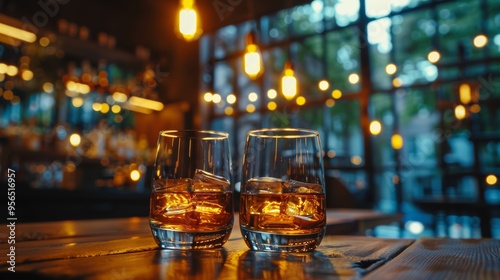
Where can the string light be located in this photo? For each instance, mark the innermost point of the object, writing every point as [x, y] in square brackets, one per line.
[375, 127]
[460, 112]
[188, 20]
[397, 141]
[433, 56]
[323, 85]
[465, 93]
[288, 81]
[480, 41]
[252, 59]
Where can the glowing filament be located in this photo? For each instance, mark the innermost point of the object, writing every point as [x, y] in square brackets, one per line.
[288, 82]
[188, 20]
[465, 93]
[252, 61]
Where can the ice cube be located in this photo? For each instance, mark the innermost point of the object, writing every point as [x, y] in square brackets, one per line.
[177, 203]
[271, 208]
[209, 203]
[293, 205]
[264, 185]
[204, 181]
[302, 187]
[208, 207]
[173, 185]
[302, 207]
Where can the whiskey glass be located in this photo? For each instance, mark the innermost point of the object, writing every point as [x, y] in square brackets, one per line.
[282, 202]
[191, 204]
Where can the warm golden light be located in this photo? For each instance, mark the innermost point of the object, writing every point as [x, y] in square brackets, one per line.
[397, 141]
[433, 56]
[323, 85]
[119, 96]
[397, 82]
[208, 96]
[252, 97]
[465, 93]
[104, 108]
[116, 109]
[460, 112]
[135, 175]
[491, 179]
[3, 68]
[480, 41]
[331, 154]
[188, 21]
[133, 108]
[231, 99]
[71, 86]
[75, 139]
[77, 102]
[301, 100]
[375, 127]
[145, 103]
[288, 82]
[27, 75]
[228, 111]
[96, 106]
[44, 41]
[272, 106]
[272, 94]
[48, 87]
[250, 108]
[356, 160]
[216, 98]
[475, 108]
[12, 70]
[17, 33]
[8, 95]
[330, 103]
[252, 59]
[353, 78]
[336, 94]
[391, 68]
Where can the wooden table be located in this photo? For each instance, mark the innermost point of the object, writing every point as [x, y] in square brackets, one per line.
[125, 249]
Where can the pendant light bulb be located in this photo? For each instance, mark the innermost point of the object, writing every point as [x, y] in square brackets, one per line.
[252, 59]
[188, 21]
[288, 81]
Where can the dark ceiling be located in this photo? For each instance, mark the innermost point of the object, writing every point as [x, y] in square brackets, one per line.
[149, 23]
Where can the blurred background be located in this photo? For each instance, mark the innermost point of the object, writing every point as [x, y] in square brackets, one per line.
[405, 95]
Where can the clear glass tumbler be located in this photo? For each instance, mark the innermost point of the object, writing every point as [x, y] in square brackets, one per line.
[191, 204]
[282, 203]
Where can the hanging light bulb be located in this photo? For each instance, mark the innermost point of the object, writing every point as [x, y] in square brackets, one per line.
[188, 21]
[252, 60]
[288, 81]
[465, 93]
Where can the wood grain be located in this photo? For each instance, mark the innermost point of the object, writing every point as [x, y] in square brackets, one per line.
[434, 258]
[338, 257]
[339, 221]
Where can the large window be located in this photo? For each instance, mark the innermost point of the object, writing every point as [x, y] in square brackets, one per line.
[427, 71]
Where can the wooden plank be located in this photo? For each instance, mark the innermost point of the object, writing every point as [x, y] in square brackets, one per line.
[433, 258]
[80, 228]
[338, 257]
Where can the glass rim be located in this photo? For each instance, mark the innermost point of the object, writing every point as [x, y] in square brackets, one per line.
[202, 134]
[283, 133]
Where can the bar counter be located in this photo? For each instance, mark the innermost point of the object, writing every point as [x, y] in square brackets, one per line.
[125, 249]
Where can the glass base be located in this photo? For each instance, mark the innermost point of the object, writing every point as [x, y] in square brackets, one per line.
[170, 239]
[265, 241]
